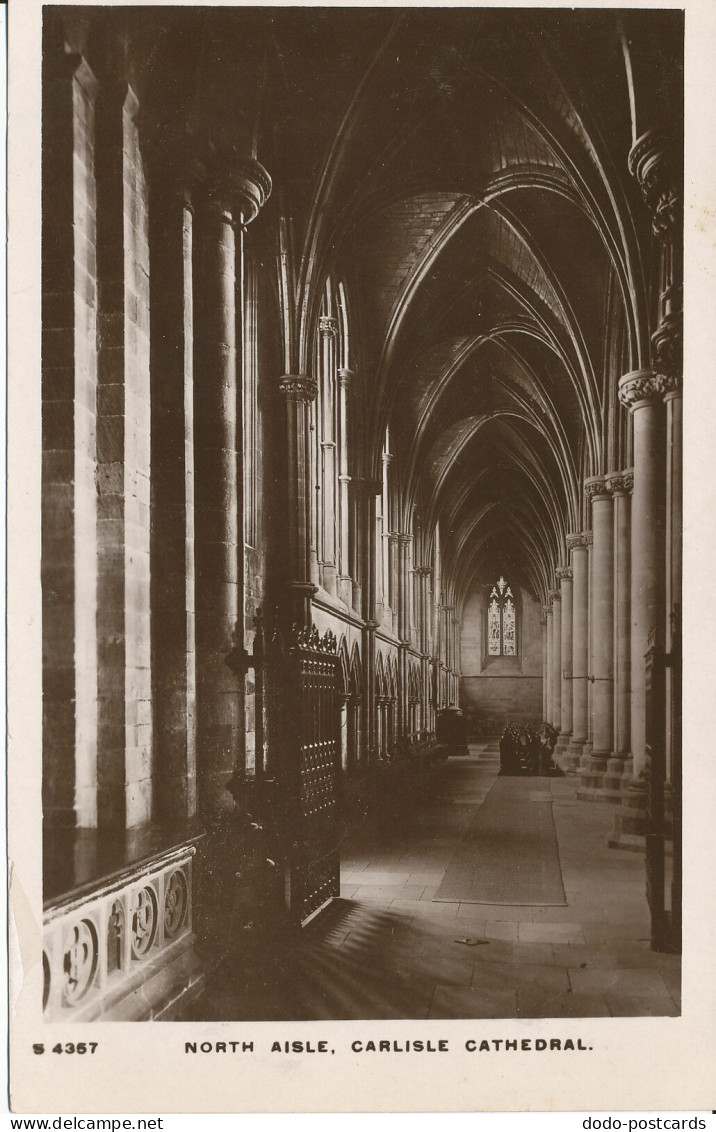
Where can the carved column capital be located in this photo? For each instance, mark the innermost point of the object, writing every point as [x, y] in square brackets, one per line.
[555, 595]
[578, 541]
[621, 483]
[596, 488]
[298, 387]
[546, 611]
[644, 387]
[328, 326]
[653, 163]
[667, 345]
[345, 377]
[564, 572]
[423, 571]
[236, 185]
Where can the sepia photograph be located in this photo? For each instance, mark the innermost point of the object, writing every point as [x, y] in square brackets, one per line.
[359, 512]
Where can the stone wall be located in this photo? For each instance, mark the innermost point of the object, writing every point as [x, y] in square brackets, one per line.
[495, 689]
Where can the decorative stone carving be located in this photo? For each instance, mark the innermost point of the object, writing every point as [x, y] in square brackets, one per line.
[666, 342]
[298, 387]
[345, 376]
[328, 326]
[581, 539]
[563, 572]
[311, 640]
[115, 937]
[555, 595]
[80, 974]
[651, 162]
[621, 483]
[80, 960]
[596, 487]
[176, 902]
[644, 385]
[144, 921]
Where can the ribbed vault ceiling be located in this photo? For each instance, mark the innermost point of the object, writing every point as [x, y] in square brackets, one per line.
[465, 172]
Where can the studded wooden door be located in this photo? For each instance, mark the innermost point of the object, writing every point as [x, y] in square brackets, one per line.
[311, 769]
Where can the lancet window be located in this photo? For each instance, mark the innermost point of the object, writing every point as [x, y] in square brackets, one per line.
[501, 621]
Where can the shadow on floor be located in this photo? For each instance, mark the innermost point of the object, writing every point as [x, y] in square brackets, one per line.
[352, 962]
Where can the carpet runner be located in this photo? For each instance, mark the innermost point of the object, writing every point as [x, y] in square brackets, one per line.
[509, 854]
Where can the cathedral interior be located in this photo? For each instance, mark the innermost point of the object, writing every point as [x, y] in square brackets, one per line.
[361, 444]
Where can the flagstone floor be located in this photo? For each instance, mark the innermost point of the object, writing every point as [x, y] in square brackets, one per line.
[386, 949]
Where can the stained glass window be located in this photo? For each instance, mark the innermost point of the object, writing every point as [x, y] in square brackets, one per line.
[501, 621]
[493, 628]
[508, 627]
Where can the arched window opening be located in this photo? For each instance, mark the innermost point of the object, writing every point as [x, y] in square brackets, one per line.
[501, 621]
[354, 710]
[330, 445]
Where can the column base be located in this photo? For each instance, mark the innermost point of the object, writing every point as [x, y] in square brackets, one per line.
[613, 782]
[568, 759]
[592, 772]
[630, 819]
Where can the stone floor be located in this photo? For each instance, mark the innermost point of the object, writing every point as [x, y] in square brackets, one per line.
[387, 950]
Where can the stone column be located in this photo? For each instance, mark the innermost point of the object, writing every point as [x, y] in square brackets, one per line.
[298, 391]
[345, 584]
[656, 162]
[602, 634]
[543, 623]
[385, 548]
[314, 494]
[587, 746]
[124, 693]
[173, 575]
[564, 574]
[402, 705]
[547, 677]
[232, 198]
[674, 536]
[422, 574]
[69, 444]
[642, 392]
[370, 489]
[620, 484]
[328, 329]
[447, 612]
[456, 626]
[579, 545]
[556, 597]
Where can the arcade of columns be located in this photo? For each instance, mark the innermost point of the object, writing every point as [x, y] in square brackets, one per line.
[620, 592]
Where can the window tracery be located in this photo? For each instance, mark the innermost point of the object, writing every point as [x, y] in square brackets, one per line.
[501, 621]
